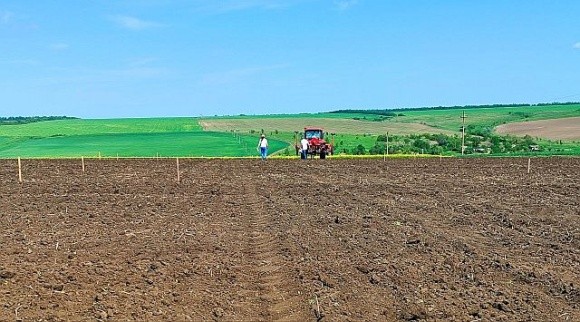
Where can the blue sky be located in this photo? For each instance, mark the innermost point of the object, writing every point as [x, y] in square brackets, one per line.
[144, 58]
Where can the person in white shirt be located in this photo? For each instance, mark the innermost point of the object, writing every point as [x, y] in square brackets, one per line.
[263, 147]
[304, 148]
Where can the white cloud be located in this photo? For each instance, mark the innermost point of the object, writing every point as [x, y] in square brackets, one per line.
[577, 45]
[141, 62]
[17, 21]
[239, 5]
[59, 46]
[247, 4]
[29, 62]
[345, 4]
[5, 17]
[132, 73]
[225, 6]
[134, 23]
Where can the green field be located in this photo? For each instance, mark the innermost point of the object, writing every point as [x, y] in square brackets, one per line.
[237, 136]
[176, 144]
[163, 137]
[407, 122]
[101, 126]
[489, 117]
[354, 129]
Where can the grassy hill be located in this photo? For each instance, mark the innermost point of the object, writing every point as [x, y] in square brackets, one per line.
[424, 130]
[427, 130]
[164, 137]
[404, 122]
[174, 144]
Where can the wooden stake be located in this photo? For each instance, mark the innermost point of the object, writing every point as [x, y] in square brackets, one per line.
[83, 163]
[463, 133]
[387, 143]
[318, 316]
[19, 170]
[99, 155]
[178, 176]
[529, 164]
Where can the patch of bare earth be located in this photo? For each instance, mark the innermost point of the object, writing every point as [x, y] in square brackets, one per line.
[329, 124]
[290, 240]
[558, 129]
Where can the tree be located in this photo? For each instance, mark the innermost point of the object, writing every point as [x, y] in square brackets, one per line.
[378, 149]
[528, 140]
[421, 144]
[359, 150]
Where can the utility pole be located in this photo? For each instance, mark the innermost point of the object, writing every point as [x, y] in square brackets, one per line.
[463, 133]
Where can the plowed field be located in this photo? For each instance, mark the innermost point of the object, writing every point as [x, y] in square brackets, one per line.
[556, 129]
[291, 240]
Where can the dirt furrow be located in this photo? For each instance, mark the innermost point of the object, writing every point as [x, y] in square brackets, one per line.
[275, 292]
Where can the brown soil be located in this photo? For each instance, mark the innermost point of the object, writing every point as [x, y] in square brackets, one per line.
[558, 129]
[291, 240]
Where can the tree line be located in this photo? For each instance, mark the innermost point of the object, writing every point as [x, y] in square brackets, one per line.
[443, 144]
[31, 119]
[393, 112]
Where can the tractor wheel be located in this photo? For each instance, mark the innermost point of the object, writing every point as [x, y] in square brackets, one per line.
[323, 154]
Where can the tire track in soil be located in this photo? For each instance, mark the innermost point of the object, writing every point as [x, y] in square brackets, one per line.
[276, 295]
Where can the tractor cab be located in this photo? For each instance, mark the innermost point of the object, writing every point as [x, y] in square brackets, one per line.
[313, 134]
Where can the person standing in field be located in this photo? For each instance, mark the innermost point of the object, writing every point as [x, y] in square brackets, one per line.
[263, 147]
[304, 148]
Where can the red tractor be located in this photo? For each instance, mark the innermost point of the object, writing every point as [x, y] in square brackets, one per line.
[316, 143]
